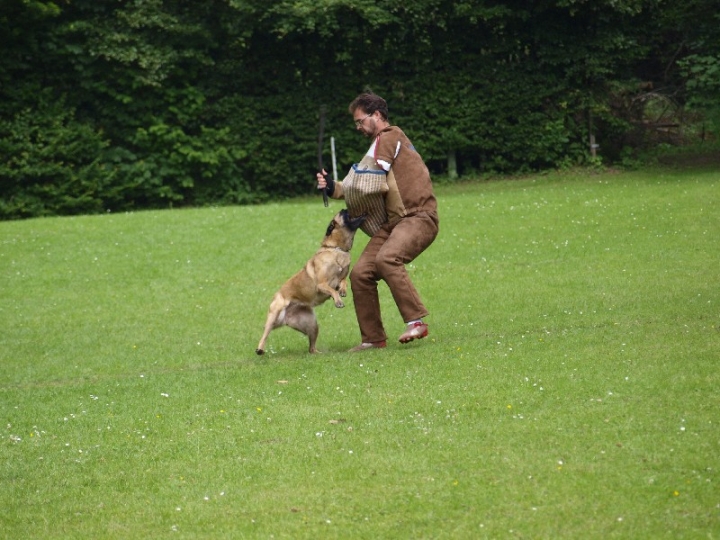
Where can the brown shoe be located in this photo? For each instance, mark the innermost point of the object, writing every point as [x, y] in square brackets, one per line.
[365, 346]
[418, 330]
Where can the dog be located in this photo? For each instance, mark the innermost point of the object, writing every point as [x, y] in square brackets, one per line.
[322, 277]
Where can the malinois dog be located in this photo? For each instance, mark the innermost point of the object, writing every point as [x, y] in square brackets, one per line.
[322, 277]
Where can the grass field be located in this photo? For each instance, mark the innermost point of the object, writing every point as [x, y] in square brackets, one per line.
[569, 387]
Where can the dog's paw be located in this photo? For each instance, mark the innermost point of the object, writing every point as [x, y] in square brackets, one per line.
[339, 304]
[342, 292]
[259, 351]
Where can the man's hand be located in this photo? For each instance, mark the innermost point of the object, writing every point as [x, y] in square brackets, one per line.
[328, 184]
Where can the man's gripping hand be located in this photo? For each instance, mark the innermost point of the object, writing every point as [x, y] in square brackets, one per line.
[328, 184]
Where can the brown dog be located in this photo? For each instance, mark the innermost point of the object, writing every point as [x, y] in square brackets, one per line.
[323, 276]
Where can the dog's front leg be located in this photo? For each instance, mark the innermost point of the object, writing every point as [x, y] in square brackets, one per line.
[327, 289]
[342, 288]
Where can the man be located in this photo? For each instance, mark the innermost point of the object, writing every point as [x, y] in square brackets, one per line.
[411, 225]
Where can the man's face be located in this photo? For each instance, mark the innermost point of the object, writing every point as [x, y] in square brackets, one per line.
[365, 123]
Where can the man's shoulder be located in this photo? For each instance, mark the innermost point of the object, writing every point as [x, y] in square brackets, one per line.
[391, 135]
[394, 130]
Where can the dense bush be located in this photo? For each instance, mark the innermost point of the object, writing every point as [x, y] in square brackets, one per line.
[52, 165]
[147, 104]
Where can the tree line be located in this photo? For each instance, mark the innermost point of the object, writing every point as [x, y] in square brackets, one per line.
[114, 105]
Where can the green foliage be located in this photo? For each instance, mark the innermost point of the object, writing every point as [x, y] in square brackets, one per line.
[703, 73]
[175, 161]
[168, 167]
[192, 103]
[52, 164]
[703, 86]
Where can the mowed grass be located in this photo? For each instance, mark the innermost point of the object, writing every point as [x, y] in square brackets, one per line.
[569, 387]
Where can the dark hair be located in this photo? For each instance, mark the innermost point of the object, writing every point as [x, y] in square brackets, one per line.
[370, 103]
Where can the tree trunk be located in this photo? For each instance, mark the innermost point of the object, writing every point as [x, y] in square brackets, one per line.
[452, 164]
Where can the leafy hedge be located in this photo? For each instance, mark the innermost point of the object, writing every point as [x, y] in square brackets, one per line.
[109, 106]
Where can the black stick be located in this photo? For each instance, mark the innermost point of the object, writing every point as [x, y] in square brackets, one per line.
[320, 149]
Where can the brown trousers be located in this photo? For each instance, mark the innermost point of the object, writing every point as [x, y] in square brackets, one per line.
[384, 258]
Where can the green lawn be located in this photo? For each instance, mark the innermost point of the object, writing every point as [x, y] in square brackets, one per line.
[569, 387]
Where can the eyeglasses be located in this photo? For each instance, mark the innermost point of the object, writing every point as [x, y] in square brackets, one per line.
[359, 122]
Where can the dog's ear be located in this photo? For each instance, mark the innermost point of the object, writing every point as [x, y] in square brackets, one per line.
[330, 228]
[349, 222]
[354, 223]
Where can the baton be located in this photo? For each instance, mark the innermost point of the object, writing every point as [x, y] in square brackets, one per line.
[320, 149]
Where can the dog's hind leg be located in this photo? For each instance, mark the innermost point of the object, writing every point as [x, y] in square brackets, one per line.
[302, 318]
[275, 319]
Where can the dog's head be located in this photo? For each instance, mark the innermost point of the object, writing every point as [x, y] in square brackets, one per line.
[341, 230]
